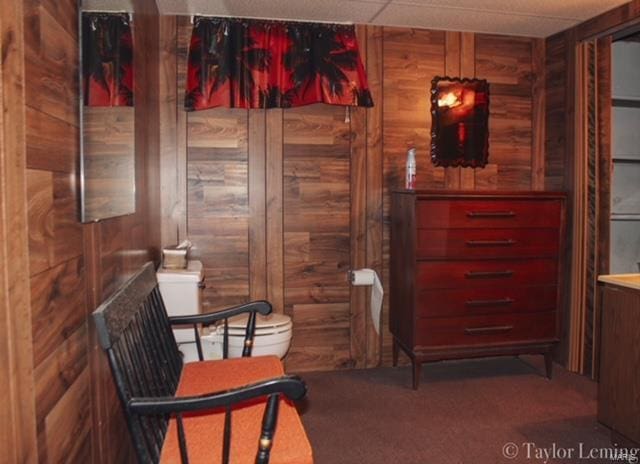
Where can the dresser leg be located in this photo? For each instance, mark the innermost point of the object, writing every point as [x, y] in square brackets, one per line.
[417, 367]
[548, 364]
[394, 352]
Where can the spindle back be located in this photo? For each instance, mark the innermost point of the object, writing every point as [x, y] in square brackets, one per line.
[133, 328]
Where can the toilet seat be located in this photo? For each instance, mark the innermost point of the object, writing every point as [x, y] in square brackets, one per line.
[272, 335]
[265, 325]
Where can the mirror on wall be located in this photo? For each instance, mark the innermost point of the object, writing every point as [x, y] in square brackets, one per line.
[107, 115]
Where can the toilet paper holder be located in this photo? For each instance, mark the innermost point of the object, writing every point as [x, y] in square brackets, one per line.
[359, 277]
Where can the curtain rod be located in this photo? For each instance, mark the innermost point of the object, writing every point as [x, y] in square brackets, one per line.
[342, 23]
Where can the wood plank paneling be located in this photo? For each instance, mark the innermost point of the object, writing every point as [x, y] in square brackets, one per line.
[506, 62]
[57, 307]
[468, 69]
[358, 219]
[375, 183]
[55, 235]
[555, 109]
[538, 114]
[257, 206]
[17, 417]
[275, 209]
[58, 298]
[70, 401]
[406, 122]
[317, 217]
[218, 202]
[171, 170]
[452, 69]
[358, 238]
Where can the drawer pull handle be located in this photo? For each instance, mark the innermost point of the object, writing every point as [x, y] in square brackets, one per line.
[486, 243]
[499, 302]
[487, 274]
[491, 214]
[488, 330]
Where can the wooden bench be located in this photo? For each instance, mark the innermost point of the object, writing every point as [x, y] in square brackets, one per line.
[229, 410]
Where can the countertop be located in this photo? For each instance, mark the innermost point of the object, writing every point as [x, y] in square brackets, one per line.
[623, 280]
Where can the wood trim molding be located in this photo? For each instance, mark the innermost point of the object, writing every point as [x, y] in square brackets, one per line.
[468, 69]
[375, 185]
[452, 68]
[257, 207]
[275, 209]
[17, 420]
[538, 54]
[173, 198]
[580, 203]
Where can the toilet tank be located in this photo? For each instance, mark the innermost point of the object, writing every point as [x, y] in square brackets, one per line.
[181, 291]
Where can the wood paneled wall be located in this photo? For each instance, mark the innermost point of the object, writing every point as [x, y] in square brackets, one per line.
[116, 248]
[281, 203]
[68, 411]
[17, 416]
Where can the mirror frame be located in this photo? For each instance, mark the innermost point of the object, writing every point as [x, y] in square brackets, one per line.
[453, 144]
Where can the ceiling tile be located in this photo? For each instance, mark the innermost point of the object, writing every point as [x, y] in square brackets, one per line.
[456, 19]
[356, 11]
[571, 9]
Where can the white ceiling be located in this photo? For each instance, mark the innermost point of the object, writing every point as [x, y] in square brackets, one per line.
[532, 18]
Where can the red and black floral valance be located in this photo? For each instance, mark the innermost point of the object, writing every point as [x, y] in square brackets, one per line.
[240, 63]
[107, 59]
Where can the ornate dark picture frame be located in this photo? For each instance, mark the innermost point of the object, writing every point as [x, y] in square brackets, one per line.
[459, 122]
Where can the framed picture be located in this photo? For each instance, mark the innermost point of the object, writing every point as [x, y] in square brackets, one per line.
[459, 122]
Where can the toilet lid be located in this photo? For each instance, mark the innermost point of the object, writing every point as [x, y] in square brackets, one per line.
[262, 322]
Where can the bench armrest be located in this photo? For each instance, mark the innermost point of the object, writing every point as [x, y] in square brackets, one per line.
[262, 307]
[254, 307]
[291, 386]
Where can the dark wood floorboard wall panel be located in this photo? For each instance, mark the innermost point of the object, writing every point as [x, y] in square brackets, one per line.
[406, 122]
[58, 298]
[74, 267]
[218, 202]
[556, 98]
[317, 235]
[327, 175]
[18, 435]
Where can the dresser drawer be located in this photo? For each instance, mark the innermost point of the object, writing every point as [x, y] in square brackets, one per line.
[480, 301]
[487, 273]
[487, 243]
[487, 213]
[485, 330]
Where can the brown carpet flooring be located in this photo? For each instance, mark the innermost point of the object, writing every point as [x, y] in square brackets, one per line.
[464, 412]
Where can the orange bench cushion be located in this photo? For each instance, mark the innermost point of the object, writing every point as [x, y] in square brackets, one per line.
[204, 431]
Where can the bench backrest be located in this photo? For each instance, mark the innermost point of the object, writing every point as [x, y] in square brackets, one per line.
[133, 328]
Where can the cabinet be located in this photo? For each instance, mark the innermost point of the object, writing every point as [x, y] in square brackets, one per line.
[475, 274]
[619, 386]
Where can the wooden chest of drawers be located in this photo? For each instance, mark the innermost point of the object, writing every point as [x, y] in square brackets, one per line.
[475, 274]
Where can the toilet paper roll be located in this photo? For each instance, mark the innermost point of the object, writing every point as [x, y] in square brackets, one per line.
[366, 277]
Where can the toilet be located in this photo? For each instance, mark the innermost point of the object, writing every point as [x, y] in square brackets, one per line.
[181, 291]
[272, 336]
